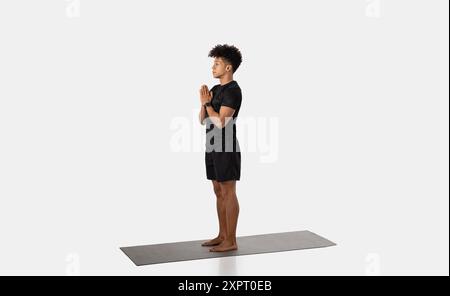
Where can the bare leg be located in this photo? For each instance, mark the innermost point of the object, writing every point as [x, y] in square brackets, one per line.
[228, 191]
[221, 213]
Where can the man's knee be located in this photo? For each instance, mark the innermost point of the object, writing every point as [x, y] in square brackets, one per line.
[218, 192]
[226, 188]
[217, 189]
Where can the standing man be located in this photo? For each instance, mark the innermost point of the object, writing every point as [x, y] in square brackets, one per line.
[220, 108]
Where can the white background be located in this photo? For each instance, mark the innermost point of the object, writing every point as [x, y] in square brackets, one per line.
[87, 99]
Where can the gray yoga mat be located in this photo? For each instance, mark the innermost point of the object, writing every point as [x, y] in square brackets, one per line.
[247, 245]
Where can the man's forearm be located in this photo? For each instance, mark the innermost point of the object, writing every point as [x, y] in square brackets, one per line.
[202, 115]
[214, 116]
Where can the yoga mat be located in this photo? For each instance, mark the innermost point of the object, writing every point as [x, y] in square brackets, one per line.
[247, 245]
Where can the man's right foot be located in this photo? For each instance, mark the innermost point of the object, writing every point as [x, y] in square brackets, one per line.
[214, 242]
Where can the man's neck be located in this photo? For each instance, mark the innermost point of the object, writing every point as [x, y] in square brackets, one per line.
[225, 80]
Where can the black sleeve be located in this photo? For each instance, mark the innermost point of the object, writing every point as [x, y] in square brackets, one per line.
[232, 98]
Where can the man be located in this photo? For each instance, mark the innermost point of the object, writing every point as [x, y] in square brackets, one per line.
[220, 108]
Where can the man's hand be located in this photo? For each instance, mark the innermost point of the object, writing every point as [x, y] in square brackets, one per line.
[205, 94]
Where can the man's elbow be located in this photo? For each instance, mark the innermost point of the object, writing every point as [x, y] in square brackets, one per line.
[219, 124]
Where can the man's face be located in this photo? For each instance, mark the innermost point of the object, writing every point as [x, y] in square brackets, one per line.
[219, 67]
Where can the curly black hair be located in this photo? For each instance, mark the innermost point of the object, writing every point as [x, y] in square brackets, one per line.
[229, 53]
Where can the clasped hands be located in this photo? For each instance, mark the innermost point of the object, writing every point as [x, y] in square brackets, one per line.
[205, 94]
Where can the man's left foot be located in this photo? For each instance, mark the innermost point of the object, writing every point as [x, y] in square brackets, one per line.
[224, 247]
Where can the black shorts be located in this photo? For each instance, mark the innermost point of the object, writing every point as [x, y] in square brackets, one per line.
[223, 166]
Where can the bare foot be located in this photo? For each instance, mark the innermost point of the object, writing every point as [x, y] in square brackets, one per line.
[213, 242]
[224, 247]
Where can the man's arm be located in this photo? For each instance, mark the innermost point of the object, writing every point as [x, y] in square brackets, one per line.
[222, 118]
[202, 115]
[230, 102]
[219, 119]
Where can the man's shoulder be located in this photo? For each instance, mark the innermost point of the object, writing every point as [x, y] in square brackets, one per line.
[234, 84]
[233, 89]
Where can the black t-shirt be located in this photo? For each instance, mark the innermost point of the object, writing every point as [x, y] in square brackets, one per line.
[228, 95]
